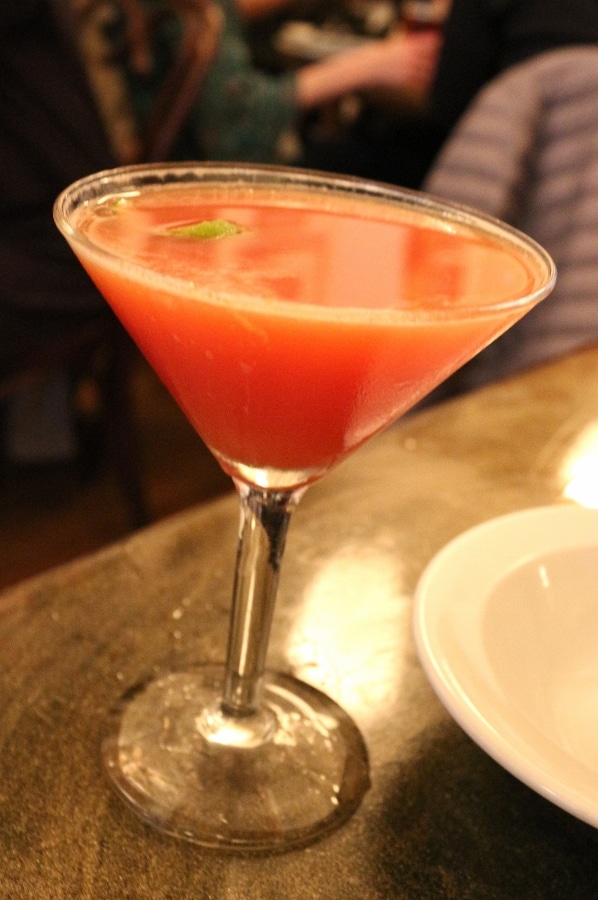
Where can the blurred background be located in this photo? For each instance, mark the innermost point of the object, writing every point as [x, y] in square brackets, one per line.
[455, 96]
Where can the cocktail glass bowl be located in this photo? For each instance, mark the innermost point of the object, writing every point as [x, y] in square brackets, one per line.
[288, 339]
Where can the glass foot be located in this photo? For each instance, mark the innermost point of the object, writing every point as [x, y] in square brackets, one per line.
[302, 779]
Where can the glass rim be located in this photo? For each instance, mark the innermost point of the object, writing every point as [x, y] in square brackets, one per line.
[94, 185]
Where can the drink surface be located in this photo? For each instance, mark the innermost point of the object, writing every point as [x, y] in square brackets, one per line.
[312, 326]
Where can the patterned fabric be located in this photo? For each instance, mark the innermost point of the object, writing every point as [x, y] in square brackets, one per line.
[526, 151]
[241, 113]
[92, 21]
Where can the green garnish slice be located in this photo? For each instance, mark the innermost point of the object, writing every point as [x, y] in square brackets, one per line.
[211, 229]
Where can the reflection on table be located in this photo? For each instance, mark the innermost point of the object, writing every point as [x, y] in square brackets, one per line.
[441, 819]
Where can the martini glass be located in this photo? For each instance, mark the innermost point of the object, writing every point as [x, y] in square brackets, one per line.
[292, 315]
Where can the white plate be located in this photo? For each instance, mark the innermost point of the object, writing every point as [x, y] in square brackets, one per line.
[506, 627]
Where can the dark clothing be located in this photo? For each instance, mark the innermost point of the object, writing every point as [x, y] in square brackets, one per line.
[482, 39]
[485, 37]
[50, 135]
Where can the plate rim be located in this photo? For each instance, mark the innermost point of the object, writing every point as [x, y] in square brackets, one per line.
[452, 693]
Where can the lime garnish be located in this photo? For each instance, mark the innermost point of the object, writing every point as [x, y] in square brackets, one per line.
[209, 230]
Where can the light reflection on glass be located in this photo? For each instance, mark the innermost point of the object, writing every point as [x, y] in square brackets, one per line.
[348, 634]
[544, 577]
[579, 470]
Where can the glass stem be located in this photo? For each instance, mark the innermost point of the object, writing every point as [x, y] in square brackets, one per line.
[265, 517]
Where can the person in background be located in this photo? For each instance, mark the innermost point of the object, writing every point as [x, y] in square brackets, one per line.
[50, 134]
[522, 157]
[485, 37]
[245, 114]
[68, 108]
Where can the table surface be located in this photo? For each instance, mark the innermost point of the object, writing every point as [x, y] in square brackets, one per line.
[441, 819]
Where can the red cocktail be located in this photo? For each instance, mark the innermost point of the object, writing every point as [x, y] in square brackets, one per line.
[292, 316]
[313, 325]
